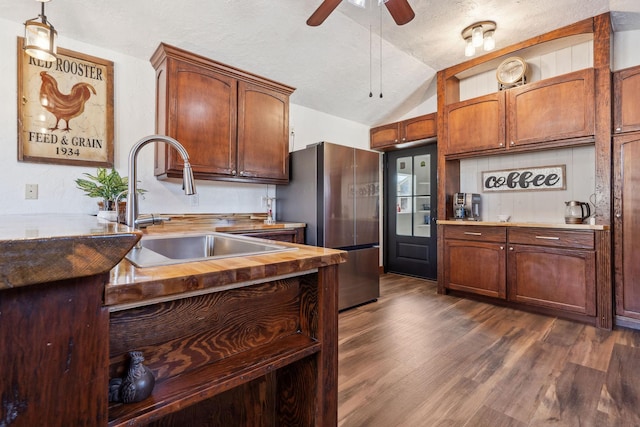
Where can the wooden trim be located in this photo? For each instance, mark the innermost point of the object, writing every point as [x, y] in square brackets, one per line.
[604, 289]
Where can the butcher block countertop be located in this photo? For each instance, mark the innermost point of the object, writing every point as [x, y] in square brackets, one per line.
[48, 247]
[525, 224]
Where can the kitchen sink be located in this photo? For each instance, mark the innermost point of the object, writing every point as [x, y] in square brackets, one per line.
[175, 249]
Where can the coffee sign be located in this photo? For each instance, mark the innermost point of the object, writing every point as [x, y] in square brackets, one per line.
[525, 179]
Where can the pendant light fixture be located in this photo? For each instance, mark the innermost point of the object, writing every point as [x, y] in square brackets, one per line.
[479, 34]
[40, 37]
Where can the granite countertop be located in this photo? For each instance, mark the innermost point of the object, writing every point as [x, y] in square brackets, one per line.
[41, 248]
[525, 224]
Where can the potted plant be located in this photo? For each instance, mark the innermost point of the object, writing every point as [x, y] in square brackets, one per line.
[108, 186]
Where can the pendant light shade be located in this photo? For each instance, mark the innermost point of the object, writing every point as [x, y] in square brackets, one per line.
[40, 38]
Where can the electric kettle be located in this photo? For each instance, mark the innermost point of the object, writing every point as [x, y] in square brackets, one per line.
[576, 212]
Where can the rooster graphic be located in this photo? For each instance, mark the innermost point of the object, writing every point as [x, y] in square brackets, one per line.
[63, 106]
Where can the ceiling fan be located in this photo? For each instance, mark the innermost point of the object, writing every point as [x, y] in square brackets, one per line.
[400, 10]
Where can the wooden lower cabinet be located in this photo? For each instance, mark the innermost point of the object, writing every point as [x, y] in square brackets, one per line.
[473, 262]
[627, 228]
[291, 235]
[563, 279]
[552, 269]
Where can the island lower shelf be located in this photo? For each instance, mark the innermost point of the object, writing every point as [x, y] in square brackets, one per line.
[212, 380]
[262, 354]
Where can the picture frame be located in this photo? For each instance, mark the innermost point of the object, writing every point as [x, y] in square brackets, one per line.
[536, 178]
[65, 109]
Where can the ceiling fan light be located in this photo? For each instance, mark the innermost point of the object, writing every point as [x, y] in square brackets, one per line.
[469, 49]
[477, 36]
[359, 3]
[489, 41]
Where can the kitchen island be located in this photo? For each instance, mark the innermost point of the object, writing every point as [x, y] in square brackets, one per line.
[242, 341]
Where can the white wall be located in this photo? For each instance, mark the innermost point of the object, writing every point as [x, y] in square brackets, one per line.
[134, 112]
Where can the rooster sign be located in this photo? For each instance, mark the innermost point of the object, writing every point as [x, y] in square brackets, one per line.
[65, 109]
[63, 106]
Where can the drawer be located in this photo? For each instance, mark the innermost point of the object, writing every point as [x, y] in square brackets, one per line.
[552, 237]
[476, 232]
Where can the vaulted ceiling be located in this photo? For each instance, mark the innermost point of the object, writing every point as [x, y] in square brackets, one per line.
[333, 66]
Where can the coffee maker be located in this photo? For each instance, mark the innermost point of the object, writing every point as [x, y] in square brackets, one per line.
[466, 206]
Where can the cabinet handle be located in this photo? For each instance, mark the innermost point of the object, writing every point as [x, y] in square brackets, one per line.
[547, 237]
[472, 233]
[618, 129]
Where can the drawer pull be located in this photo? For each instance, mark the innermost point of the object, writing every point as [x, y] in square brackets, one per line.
[548, 237]
[471, 233]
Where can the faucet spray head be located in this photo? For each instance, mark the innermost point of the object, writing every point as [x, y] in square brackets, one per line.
[188, 184]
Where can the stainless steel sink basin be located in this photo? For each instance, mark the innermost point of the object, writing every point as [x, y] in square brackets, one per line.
[166, 250]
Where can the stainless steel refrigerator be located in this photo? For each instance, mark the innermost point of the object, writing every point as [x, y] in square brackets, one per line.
[334, 189]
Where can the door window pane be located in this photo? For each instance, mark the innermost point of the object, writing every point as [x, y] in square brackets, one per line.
[422, 196]
[404, 202]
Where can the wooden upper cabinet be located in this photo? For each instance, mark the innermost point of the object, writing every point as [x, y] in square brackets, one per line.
[263, 133]
[558, 111]
[387, 137]
[233, 124]
[476, 125]
[554, 109]
[626, 93]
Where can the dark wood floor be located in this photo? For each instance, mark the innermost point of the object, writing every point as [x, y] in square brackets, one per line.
[416, 358]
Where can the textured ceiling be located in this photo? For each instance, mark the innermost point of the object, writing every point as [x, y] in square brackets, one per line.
[333, 66]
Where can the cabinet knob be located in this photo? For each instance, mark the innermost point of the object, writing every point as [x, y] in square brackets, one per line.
[618, 215]
[241, 173]
[618, 129]
[233, 172]
[501, 144]
[502, 248]
[513, 143]
[395, 140]
[511, 248]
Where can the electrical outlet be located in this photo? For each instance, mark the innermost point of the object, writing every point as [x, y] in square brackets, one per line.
[31, 192]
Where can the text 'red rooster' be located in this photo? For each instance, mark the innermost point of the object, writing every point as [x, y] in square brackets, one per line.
[62, 106]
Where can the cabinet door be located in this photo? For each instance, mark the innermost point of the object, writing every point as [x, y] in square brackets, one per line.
[476, 267]
[476, 125]
[417, 128]
[626, 108]
[627, 225]
[558, 108]
[202, 116]
[551, 277]
[263, 133]
[384, 136]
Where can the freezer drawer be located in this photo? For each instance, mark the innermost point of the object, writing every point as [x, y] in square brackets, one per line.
[359, 279]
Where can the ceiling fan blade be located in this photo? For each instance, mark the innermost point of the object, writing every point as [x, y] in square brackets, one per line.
[400, 10]
[322, 12]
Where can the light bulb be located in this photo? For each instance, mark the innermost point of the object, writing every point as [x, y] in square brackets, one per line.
[469, 49]
[476, 36]
[489, 41]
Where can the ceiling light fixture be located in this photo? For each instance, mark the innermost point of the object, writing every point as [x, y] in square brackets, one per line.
[40, 37]
[479, 34]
